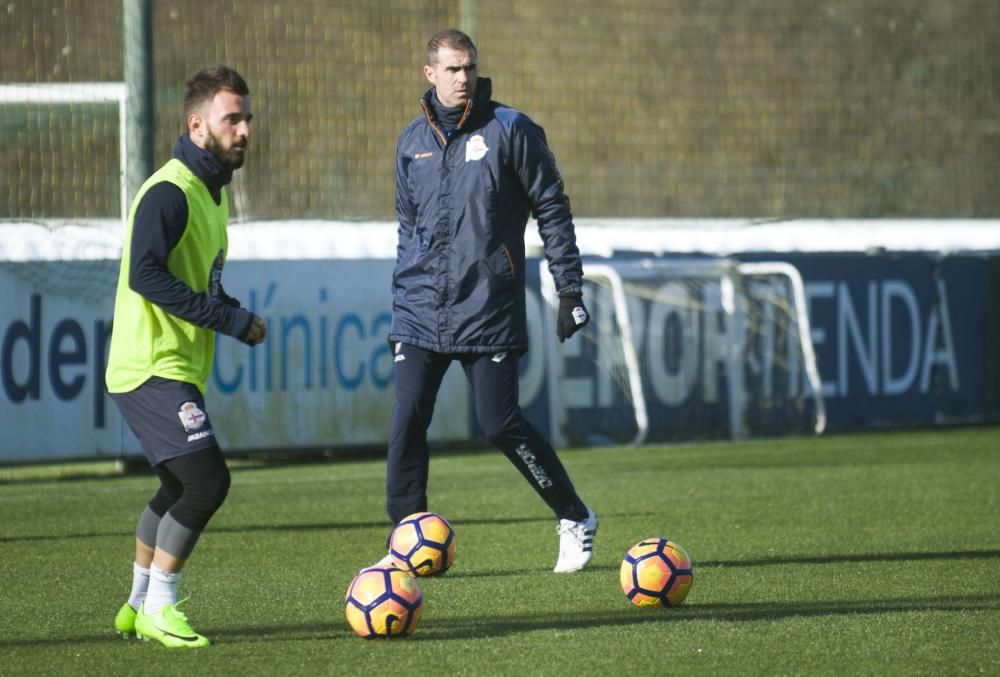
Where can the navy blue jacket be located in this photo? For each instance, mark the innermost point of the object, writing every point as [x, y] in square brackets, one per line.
[463, 203]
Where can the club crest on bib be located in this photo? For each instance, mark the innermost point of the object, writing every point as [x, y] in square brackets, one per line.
[475, 148]
[191, 416]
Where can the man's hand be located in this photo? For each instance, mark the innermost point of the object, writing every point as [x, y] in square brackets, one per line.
[572, 317]
[257, 332]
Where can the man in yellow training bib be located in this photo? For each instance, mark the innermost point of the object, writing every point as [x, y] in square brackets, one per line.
[169, 305]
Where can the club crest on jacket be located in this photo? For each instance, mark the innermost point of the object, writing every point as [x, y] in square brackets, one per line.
[475, 148]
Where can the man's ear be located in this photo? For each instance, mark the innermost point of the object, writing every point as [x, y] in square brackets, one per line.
[196, 125]
[429, 74]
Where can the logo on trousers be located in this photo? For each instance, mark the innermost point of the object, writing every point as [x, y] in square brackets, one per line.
[537, 472]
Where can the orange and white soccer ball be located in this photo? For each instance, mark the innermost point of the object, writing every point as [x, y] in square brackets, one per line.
[385, 602]
[656, 572]
[423, 544]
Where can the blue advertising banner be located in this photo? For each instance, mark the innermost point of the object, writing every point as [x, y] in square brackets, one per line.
[899, 338]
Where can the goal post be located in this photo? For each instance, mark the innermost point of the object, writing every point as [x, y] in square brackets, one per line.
[684, 348]
[800, 315]
[64, 93]
[629, 356]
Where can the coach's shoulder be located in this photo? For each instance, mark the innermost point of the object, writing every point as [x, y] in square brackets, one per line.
[415, 124]
[510, 117]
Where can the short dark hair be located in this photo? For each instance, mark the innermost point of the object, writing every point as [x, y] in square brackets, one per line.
[451, 38]
[205, 84]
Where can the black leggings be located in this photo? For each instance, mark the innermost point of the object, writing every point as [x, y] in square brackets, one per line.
[192, 487]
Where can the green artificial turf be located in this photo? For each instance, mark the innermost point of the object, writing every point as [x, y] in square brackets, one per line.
[855, 554]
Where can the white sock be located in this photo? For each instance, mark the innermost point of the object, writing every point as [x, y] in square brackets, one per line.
[162, 589]
[140, 583]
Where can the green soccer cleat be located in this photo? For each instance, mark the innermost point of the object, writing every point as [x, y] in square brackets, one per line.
[169, 627]
[125, 622]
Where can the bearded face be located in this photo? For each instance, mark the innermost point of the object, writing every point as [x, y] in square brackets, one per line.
[222, 126]
[233, 155]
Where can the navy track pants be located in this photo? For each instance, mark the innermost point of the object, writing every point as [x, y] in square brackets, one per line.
[494, 382]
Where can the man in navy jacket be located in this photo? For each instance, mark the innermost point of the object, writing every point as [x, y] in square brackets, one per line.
[469, 172]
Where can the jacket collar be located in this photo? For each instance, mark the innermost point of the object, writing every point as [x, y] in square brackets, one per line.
[203, 163]
[478, 103]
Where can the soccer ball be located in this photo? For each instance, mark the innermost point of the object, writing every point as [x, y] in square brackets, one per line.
[423, 544]
[656, 572]
[383, 602]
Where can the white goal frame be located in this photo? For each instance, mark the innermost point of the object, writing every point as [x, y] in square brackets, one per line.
[798, 289]
[62, 93]
[701, 268]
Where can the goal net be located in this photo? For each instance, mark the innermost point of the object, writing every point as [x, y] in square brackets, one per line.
[64, 151]
[64, 158]
[685, 349]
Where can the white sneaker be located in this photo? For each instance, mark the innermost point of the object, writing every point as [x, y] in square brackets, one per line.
[576, 543]
[386, 561]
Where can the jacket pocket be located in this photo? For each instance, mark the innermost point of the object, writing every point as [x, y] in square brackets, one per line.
[502, 264]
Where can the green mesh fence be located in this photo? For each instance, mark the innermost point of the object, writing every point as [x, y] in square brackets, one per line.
[670, 108]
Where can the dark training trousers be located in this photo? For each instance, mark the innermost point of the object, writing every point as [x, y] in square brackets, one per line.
[171, 423]
[494, 381]
[192, 487]
[168, 418]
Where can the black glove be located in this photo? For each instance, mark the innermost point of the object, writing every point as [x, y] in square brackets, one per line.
[573, 315]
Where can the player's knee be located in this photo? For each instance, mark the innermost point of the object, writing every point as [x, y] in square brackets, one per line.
[501, 433]
[202, 498]
[211, 493]
[162, 501]
[412, 411]
[500, 426]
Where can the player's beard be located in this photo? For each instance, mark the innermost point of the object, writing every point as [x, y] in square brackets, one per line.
[231, 157]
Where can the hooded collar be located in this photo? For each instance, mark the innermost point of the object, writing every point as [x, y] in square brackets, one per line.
[205, 164]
